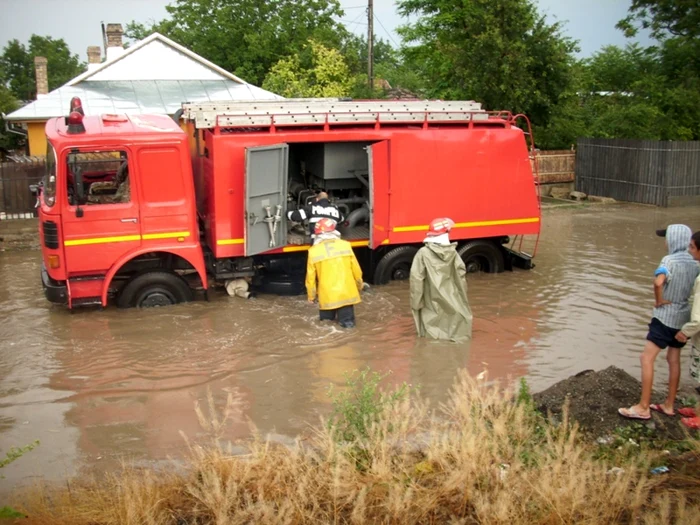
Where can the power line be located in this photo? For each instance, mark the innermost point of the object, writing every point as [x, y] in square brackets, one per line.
[387, 32]
[355, 21]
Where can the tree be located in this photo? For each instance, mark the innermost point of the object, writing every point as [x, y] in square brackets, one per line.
[624, 93]
[8, 103]
[617, 70]
[17, 65]
[567, 122]
[503, 54]
[674, 85]
[388, 65]
[663, 18]
[326, 76]
[248, 37]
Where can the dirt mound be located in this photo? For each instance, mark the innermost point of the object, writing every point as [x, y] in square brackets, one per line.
[594, 398]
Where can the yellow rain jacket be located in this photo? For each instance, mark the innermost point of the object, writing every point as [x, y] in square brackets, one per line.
[339, 276]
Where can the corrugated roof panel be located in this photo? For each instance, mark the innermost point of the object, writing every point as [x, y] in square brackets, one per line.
[216, 90]
[147, 97]
[170, 92]
[95, 101]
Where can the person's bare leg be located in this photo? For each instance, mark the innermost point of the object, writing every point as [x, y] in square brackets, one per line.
[651, 351]
[673, 356]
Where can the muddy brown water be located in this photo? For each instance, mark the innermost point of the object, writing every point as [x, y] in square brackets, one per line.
[96, 387]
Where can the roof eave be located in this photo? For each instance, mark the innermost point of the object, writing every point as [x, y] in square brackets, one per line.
[20, 118]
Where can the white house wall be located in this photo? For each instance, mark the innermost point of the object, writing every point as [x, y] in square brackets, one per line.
[156, 61]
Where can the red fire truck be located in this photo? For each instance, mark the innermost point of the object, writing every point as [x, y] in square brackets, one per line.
[136, 211]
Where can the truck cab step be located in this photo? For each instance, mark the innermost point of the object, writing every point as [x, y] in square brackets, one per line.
[87, 301]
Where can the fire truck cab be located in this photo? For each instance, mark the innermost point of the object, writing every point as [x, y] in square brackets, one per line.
[117, 207]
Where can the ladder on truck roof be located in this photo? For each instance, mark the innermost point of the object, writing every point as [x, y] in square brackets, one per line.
[331, 111]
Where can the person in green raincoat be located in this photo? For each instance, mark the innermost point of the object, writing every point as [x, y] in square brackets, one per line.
[439, 287]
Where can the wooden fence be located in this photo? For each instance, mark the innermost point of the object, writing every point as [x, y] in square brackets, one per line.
[556, 166]
[646, 171]
[16, 200]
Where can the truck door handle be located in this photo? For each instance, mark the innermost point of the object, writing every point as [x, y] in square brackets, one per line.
[130, 220]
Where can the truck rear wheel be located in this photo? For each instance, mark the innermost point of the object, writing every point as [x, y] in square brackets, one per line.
[154, 288]
[395, 265]
[482, 256]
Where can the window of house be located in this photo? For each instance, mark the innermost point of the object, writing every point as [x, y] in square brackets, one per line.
[103, 177]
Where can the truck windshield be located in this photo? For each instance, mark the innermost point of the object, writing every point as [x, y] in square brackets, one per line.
[49, 189]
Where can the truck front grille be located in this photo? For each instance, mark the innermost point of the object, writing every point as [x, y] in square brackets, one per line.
[50, 234]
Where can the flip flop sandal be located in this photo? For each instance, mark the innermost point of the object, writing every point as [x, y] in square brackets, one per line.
[658, 408]
[630, 414]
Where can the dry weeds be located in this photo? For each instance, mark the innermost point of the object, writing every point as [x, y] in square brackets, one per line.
[480, 458]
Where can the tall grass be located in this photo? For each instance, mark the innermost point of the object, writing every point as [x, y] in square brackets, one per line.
[482, 457]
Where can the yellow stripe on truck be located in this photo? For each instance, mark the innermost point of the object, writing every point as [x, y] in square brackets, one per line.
[126, 238]
[172, 235]
[102, 240]
[476, 224]
[224, 242]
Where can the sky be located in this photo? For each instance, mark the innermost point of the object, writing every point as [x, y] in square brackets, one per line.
[591, 22]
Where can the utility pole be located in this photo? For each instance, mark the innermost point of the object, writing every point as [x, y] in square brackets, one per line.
[370, 44]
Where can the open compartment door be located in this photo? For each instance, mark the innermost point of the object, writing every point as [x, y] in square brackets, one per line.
[378, 162]
[266, 192]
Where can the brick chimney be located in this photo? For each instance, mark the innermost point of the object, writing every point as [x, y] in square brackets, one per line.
[114, 34]
[42, 76]
[94, 54]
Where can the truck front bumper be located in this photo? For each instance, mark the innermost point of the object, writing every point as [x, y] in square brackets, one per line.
[54, 291]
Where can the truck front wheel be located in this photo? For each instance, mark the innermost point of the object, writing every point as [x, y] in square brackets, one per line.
[482, 256]
[155, 288]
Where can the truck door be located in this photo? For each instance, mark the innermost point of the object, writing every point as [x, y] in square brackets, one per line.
[379, 188]
[104, 225]
[266, 192]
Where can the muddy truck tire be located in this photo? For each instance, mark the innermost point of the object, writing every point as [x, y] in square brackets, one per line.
[482, 256]
[154, 288]
[395, 265]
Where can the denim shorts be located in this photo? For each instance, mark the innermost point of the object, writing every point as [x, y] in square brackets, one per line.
[662, 335]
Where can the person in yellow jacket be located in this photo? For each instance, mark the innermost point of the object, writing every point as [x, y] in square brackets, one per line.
[333, 275]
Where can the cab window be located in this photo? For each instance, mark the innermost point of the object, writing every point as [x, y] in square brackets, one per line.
[103, 177]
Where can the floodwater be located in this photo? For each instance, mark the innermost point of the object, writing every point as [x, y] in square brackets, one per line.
[97, 387]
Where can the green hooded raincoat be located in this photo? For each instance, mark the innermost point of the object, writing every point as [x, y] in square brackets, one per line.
[439, 294]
